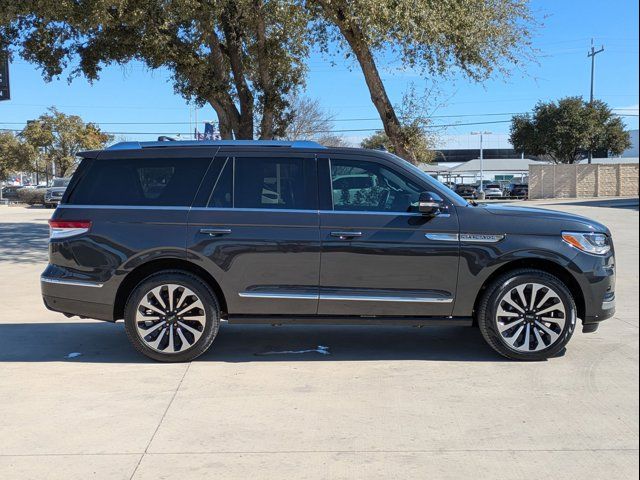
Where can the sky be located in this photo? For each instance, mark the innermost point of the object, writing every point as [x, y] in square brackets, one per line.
[146, 99]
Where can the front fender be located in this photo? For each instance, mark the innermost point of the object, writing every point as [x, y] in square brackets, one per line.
[480, 261]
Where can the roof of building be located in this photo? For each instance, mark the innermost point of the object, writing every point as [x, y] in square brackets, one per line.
[496, 165]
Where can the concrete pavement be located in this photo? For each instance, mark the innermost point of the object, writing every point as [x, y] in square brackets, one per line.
[388, 402]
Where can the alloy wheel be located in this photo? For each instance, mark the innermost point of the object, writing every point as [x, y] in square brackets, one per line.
[170, 318]
[531, 317]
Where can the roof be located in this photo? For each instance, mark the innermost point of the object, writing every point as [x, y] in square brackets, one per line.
[214, 143]
[496, 165]
[432, 168]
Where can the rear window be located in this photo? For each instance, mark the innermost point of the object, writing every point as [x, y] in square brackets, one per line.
[147, 182]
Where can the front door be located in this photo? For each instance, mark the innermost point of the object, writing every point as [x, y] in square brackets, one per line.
[256, 231]
[379, 255]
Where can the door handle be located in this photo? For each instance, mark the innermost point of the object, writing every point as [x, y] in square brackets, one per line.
[346, 235]
[214, 232]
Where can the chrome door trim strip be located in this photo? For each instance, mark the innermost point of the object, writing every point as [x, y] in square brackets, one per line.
[72, 283]
[367, 298]
[280, 296]
[443, 237]
[332, 297]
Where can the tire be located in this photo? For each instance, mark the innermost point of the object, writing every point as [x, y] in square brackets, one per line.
[517, 331]
[180, 313]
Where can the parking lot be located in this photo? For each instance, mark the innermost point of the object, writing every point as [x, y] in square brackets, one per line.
[386, 402]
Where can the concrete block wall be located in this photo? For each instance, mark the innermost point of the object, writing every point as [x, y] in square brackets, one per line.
[583, 181]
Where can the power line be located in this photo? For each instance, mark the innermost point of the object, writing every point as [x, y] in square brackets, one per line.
[472, 115]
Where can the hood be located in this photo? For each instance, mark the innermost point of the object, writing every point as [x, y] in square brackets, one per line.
[553, 220]
[56, 189]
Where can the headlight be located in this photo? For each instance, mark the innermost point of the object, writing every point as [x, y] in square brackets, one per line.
[594, 243]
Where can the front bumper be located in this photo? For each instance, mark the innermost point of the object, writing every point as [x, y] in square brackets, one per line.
[597, 278]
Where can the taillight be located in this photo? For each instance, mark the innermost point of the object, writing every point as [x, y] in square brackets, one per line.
[68, 228]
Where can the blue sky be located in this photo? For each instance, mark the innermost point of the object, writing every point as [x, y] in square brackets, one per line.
[132, 93]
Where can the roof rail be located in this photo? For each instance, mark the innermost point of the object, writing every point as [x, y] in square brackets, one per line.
[216, 143]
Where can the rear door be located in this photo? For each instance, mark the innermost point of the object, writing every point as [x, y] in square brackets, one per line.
[138, 202]
[379, 255]
[257, 231]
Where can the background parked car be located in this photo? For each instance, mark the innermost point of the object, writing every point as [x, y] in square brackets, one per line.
[465, 190]
[10, 192]
[517, 190]
[492, 190]
[55, 192]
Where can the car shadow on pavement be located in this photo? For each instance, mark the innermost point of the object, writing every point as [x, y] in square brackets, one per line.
[24, 242]
[102, 342]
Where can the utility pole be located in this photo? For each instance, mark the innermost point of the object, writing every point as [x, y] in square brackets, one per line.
[482, 134]
[593, 54]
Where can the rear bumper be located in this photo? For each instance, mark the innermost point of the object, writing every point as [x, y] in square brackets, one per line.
[75, 297]
[81, 308]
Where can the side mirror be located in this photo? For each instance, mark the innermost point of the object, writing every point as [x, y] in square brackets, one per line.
[430, 204]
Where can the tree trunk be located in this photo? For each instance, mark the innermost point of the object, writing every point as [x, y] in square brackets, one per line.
[235, 54]
[268, 113]
[354, 36]
[229, 117]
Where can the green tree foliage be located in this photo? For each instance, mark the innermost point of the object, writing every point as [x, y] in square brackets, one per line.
[15, 155]
[563, 131]
[413, 115]
[243, 57]
[50, 144]
[434, 37]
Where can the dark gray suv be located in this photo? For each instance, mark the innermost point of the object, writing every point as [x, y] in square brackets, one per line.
[174, 237]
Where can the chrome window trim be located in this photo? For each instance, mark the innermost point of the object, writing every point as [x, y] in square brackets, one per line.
[331, 297]
[72, 283]
[126, 207]
[229, 209]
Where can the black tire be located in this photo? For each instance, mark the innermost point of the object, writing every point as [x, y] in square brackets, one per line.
[203, 293]
[489, 323]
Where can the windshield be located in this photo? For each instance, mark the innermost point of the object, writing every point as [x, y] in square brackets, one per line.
[60, 182]
[453, 196]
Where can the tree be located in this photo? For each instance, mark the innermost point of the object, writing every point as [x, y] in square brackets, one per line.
[565, 130]
[58, 138]
[15, 155]
[243, 57]
[413, 116]
[476, 37]
[307, 120]
[50, 144]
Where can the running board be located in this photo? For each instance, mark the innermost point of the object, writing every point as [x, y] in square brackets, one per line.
[351, 320]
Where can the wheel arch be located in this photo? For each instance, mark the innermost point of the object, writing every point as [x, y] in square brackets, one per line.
[545, 265]
[145, 270]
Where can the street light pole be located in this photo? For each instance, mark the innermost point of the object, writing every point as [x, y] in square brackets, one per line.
[593, 54]
[482, 134]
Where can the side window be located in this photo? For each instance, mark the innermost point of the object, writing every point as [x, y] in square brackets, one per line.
[222, 193]
[144, 182]
[274, 183]
[368, 186]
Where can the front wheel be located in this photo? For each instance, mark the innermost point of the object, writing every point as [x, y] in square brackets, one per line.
[172, 317]
[527, 314]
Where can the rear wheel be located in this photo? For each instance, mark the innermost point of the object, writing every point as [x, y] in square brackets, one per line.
[172, 317]
[527, 315]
